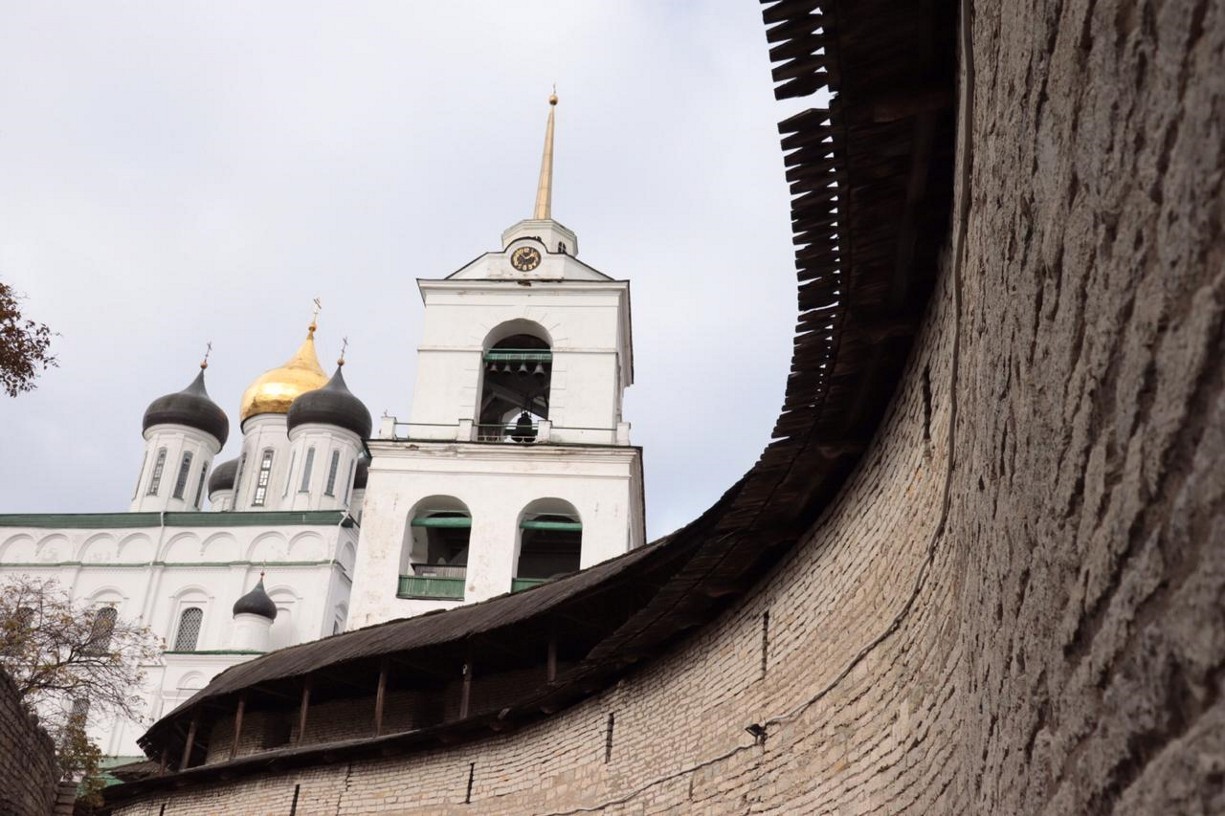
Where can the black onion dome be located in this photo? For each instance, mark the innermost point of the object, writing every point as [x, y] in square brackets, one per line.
[362, 475]
[256, 602]
[223, 476]
[333, 404]
[191, 407]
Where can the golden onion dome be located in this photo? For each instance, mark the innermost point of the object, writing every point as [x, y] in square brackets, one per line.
[276, 389]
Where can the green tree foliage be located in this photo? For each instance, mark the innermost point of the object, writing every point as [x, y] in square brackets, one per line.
[24, 345]
[72, 664]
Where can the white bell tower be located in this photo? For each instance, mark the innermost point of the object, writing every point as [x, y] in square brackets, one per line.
[515, 466]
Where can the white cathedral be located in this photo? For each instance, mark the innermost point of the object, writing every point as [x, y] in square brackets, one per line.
[515, 467]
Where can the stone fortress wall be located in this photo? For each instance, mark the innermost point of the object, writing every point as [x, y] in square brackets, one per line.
[29, 776]
[1014, 606]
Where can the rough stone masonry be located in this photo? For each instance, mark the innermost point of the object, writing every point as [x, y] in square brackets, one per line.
[29, 775]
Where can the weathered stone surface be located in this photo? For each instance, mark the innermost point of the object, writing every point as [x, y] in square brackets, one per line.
[28, 773]
[1095, 285]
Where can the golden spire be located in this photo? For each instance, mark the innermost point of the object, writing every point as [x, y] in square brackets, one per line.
[208, 350]
[544, 191]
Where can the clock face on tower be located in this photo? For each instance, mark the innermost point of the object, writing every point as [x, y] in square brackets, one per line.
[525, 259]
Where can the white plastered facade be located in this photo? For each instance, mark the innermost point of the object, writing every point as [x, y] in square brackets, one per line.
[580, 458]
[153, 567]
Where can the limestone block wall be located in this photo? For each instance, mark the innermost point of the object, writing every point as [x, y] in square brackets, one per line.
[29, 777]
[1015, 604]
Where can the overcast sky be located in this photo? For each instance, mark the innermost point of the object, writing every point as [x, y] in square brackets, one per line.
[173, 173]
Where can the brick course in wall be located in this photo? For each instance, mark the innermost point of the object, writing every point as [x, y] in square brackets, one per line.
[29, 775]
[1015, 604]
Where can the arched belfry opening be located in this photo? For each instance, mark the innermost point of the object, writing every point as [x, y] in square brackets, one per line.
[434, 559]
[515, 381]
[550, 542]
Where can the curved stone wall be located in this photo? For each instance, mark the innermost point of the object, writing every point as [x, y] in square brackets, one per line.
[1014, 606]
[29, 776]
[1091, 462]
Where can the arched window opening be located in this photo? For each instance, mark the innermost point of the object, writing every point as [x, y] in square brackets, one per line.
[102, 629]
[550, 543]
[12, 637]
[518, 371]
[156, 482]
[306, 471]
[434, 562]
[200, 486]
[349, 481]
[333, 466]
[261, 480]
[189, 629]
[180, 482]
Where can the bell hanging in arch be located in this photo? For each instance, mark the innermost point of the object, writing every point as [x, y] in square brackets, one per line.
[525, 429]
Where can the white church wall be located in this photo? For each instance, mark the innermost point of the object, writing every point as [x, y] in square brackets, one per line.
[496, 483]
[135, 548]
[151, 573]
[585, 397]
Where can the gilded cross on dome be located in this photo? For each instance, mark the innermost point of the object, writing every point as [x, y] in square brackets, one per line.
[315, 315]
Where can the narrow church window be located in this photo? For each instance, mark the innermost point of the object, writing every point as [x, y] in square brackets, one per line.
[306, 471]
[180, 482]
[200, 487]
[349, 483]
[189, 629]
[261, 483]
[156, 481]
[293, 460]
[102, 629]
[80, 709]
[332, 468]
